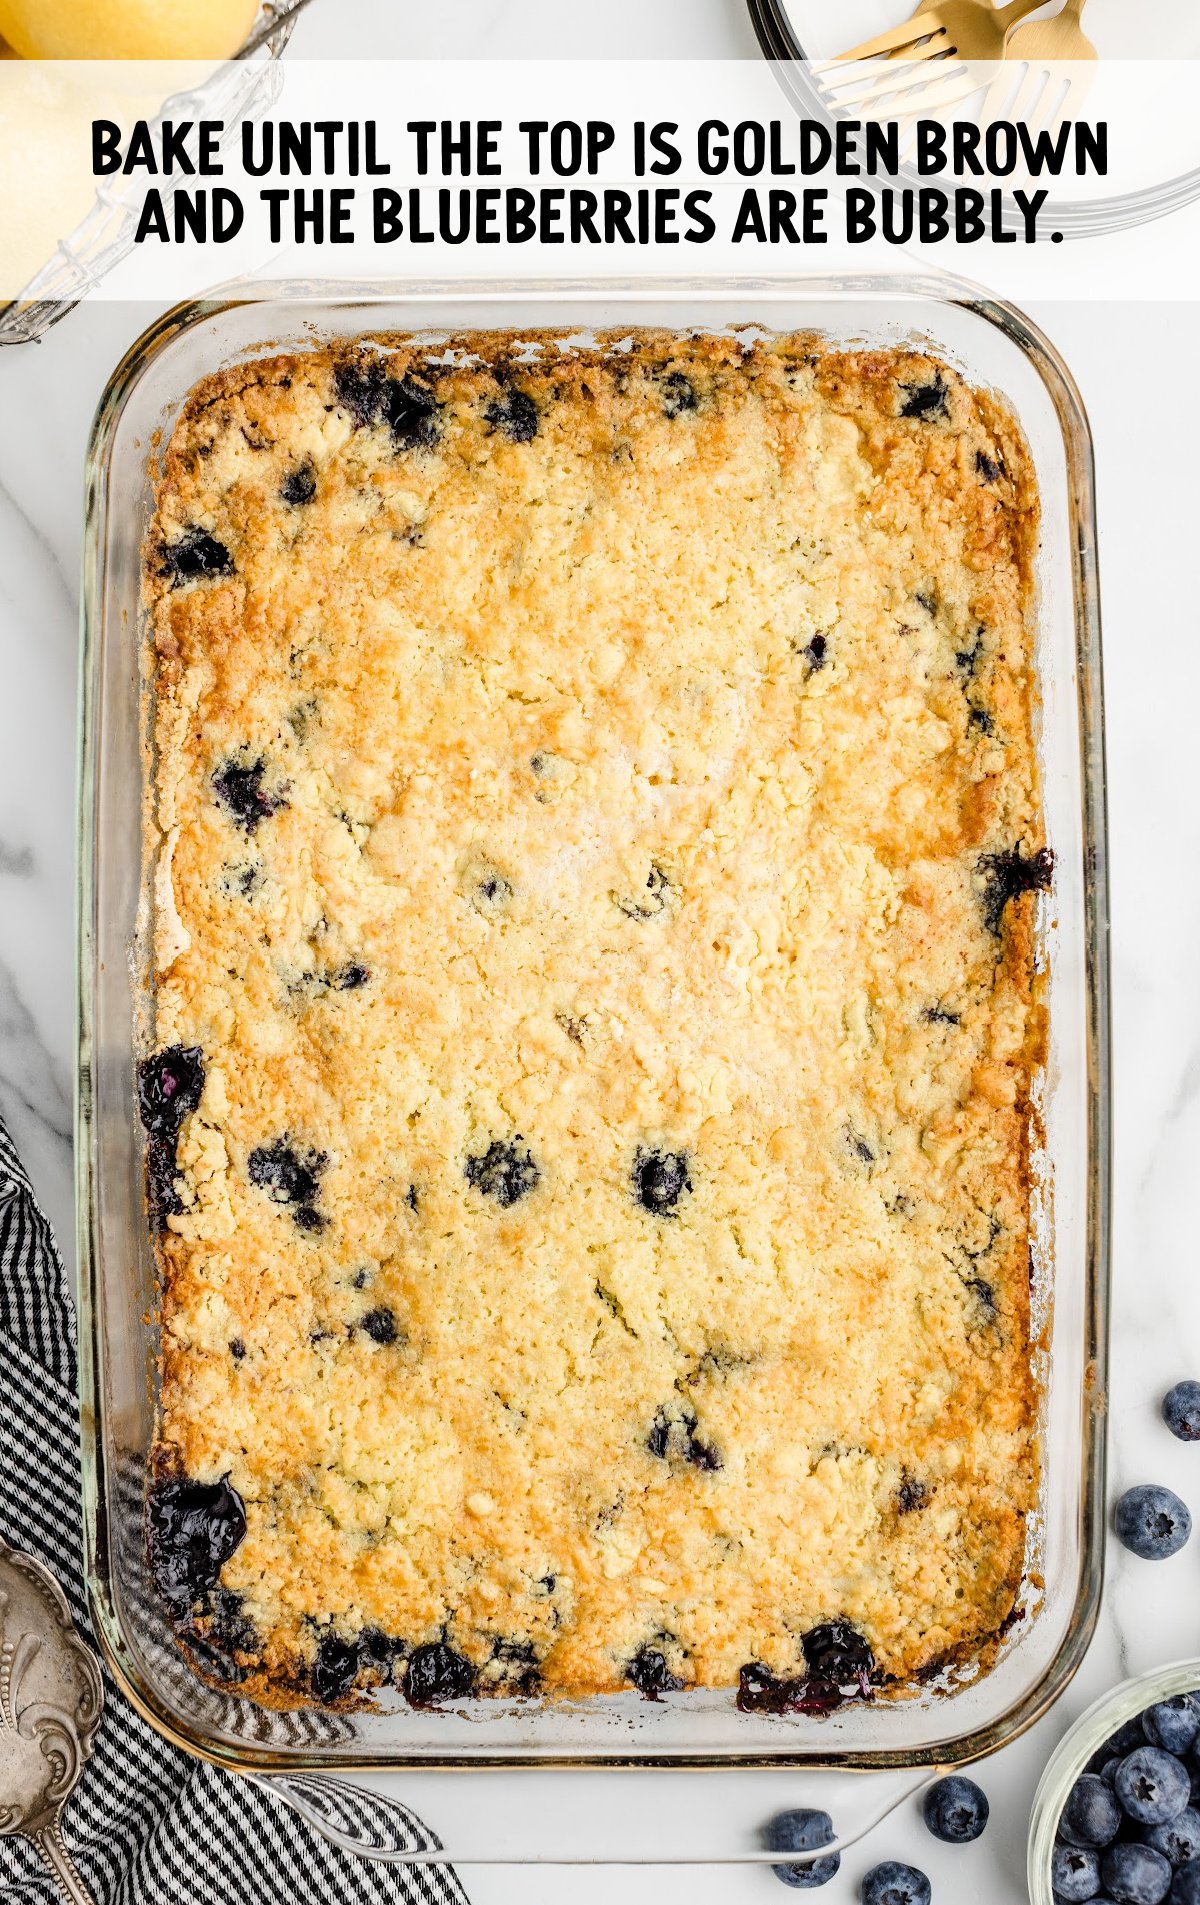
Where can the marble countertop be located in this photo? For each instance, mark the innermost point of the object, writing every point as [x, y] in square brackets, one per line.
[1140, 378]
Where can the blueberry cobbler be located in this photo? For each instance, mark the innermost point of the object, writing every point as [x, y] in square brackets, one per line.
[594, 846]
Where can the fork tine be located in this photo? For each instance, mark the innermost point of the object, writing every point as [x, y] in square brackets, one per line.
[879, 79]
[898, 40]
[913, 86]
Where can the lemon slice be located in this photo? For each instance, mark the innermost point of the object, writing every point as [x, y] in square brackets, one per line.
[126, 29]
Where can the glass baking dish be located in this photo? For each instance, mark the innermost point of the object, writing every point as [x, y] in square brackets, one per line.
[952, 1721]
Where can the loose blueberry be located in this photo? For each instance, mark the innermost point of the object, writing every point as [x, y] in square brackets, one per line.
[837, 1652]
[169, 1087]
[1007, 875]
[238, 786]
[380, 1326]
[334, 1669]
[802, 1830]
[1135, 1874]
[1181, 1411]
[659, 1180]
[299, 485]
[1152, 1786]
[437, 1672]
[679, 394]
[1178, 1839]
[516, 417]
[1152, 1522]
[896, 1884]
[1185, 1888]
[1074, 1873]
[1108, 1769]
[1127, 1736]
[506, 1172]
[196, 553]
[192, 1529]
[1173, 1724]
[649, 1673]
[1092, 1814]
[926, 401]
[956, 1810]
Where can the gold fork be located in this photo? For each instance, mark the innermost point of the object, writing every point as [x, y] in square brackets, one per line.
[958, 31]
[1046, 93]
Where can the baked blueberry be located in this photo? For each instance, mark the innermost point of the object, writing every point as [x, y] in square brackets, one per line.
[169, 1086]
[815, 653]
[299, 485]
[380, 1325]
[1181, 1411]
[237, 1349]
[761, 1691]
[1185, 1888]
[1152, 1786]
[673, 1437]
[290, 1177]
[162, 1197]
[229, 1628]
[986, 466]
[1173, 1724]
[238, 786]
[515, 416]
[1135, 1874]
[192, 1528]
[411, 413]
[911, 1496]
[1074, 1873]
[519, 1670]
[835, 1651]
[194, 554]
[350, 978]
[1152, 1522]
[659, 1180]
[1092, 1814]
[956, 1810]
[437, 1672]
[802, 1830]
[1177, 1839]
[334, 1669]
[894, 1884]
[649, 1673]
[506, 1172]
[926, 401]
[679, 393]
[1007, 875]
[358, 387]
[654, 901]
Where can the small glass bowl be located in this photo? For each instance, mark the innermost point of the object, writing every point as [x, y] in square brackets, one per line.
[1076, 1748]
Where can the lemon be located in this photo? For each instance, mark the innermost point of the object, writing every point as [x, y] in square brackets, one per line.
[126, 29]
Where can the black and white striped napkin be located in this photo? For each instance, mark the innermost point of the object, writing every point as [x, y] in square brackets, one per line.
[147, 1825]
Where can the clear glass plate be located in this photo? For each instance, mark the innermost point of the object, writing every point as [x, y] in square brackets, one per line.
[955, 1720]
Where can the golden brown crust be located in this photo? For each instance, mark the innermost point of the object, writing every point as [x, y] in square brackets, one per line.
[651, 767]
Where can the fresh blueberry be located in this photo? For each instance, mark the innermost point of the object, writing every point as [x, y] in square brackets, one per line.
[1127, 1736]
[1074, 1873]
[1173, 1724]
[1152, 1786]
[926, 400]
[896, 1884]
[1152, 1522]
[835, 1651]
[192, 1528]
[1181, 1411]
[1177, 1840]
[238, 785]
[659, 1180]
[1108, 1769]
[956, 1810]
[437, 1672]
[802, 1830]
[506, 1172]
[516, 417]
[169, 1087]
[649, 1673]
[1092, 1814]
[196, 553]
[1185, 1888]
[679, 394]
[1007, 875]
[380, 1325]
[1135, 1874]
[299, 485]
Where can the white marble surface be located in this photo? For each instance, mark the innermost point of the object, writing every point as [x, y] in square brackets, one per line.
[1140, 375]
